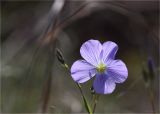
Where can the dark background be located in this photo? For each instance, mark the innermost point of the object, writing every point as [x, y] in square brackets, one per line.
[32, 79]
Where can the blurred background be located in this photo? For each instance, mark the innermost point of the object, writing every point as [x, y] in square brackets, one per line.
[33, 80]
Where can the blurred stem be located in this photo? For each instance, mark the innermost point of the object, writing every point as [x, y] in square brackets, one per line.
[73, 14]
[92, 101]
[96, 98]
[151, 97]
[87, 106]
[48, 84]
[130, 87]
[47, 90]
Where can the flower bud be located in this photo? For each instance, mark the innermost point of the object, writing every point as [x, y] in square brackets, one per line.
[150, 68]
[92, 90]
[60, 56]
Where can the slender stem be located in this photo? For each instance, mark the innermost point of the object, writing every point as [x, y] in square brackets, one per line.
[130, 87]
[87, 106]
[92, 101]
[95, 102]
[73, 14]
[48, 84]
[80, 89]
[47, 90]
[151, 99]
[79, 86]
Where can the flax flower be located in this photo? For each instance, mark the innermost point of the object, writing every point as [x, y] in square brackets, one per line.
[99, 61]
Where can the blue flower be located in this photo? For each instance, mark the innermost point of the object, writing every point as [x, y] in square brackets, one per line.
[99, 62]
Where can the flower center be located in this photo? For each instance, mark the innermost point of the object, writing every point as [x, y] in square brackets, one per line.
[101, 68]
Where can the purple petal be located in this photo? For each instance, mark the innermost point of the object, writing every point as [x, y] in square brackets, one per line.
[103, 84]
[109, 50]
[82, 71]
[117, 70]
[90, 51]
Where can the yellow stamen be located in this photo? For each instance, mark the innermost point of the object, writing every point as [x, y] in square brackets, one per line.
[101, 68]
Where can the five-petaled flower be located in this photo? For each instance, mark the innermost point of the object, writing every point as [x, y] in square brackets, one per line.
[99, 62]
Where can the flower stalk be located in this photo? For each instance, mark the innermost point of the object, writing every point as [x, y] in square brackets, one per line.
[151, 96]
[86, 104]
[62, 61]
[148, 76]
[96, 98]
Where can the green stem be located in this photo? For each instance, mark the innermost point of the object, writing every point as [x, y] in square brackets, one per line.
[93, 99]
[87, 106]
[95, 102]
[151, 99]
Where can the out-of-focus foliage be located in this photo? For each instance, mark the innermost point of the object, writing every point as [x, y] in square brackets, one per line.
[32, 79]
